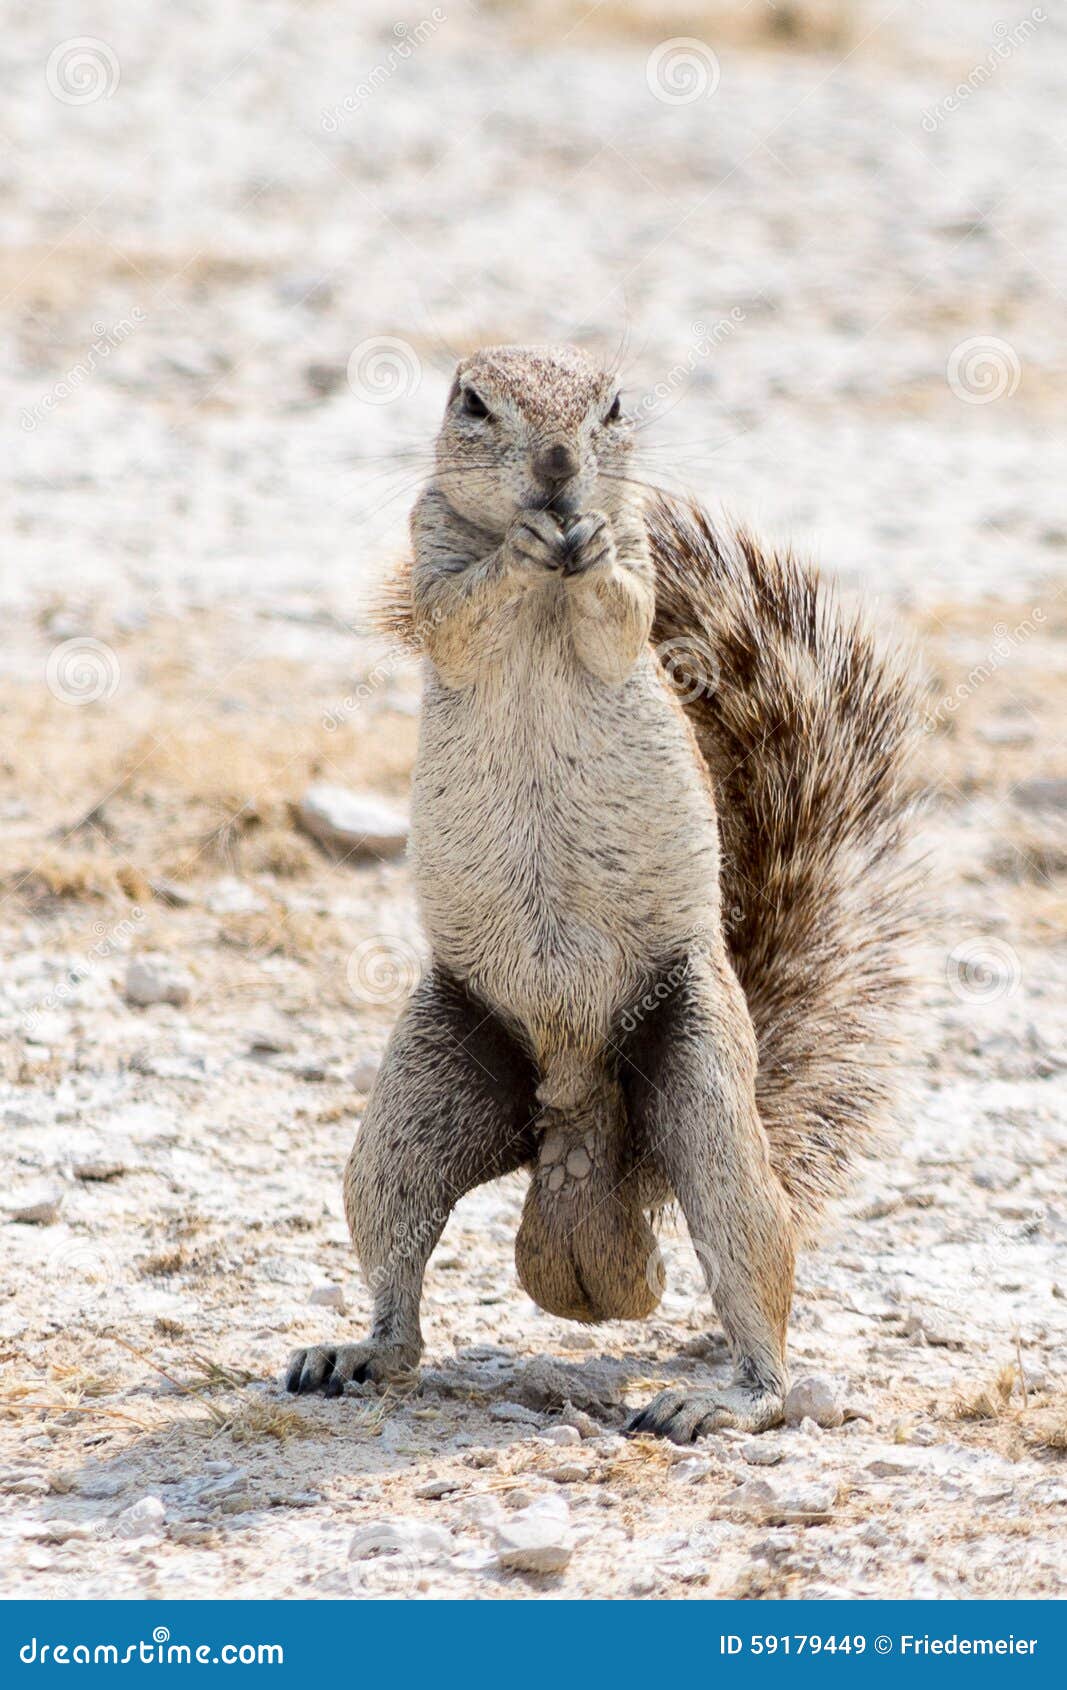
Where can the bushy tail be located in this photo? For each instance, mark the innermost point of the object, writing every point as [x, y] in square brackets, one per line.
[806, 725]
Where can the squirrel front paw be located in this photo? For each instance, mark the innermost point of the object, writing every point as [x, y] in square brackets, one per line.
[536, 542]
[589, 544]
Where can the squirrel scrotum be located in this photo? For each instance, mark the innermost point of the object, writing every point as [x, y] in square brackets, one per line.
[667, 930]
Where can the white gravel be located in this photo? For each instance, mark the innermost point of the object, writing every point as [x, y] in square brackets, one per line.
[847, 294]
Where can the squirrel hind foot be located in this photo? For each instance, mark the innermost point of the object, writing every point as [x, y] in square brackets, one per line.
[686, 1413]
[328, 1368]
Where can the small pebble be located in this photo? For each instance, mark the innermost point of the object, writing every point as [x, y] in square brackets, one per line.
[583, 1424]
[567, 1472]
[691, 1471]
[762, 1452]
[149, 981]
[755, 1498]
[562, 1435]
[329, 1297]
[813, 1398]
[142, 1519]
[485, 1512]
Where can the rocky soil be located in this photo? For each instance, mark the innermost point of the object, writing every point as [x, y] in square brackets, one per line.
[241, 256]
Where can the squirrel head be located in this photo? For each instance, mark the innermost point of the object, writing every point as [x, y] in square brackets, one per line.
[532, 427]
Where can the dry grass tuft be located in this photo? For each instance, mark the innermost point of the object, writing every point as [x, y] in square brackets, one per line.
[75, 874]
[1050, 1434]
[251, 1419]
[275, 931]
[215, 1375]
[991, 1402]
[164, 1263]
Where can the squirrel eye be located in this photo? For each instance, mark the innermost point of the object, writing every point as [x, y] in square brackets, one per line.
[616, 409]
[473, 406]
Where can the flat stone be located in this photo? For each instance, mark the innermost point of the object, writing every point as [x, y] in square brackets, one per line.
[58, 1531]
[267, 1042]
[433, 1489]
[901, 1466]
[41, 1209]
[150, 982]
[547, 1383]
[932, 1326]
[484, 1512]
[351, 822]
[515, 1412]
[98, 1173]
[807, 1505]
[230, 896]
[536, 1539]
[329, 1297]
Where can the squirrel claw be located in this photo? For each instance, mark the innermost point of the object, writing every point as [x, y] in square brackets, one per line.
[587, 541]
[685, 1414]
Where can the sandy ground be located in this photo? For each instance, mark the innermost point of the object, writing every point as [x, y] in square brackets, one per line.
[820, 240]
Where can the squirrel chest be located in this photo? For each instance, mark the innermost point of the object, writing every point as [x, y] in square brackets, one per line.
[564, 841]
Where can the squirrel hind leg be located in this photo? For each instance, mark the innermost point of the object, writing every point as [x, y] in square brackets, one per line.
[452, 1107]
[688, 1072]
[585, 1250]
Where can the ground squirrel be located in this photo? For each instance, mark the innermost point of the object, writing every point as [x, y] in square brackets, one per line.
[666, 926]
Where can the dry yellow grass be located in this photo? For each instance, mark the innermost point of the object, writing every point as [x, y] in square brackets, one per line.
[806, 25]
[991, 1400]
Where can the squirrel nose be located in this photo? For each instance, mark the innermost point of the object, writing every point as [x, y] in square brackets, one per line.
[555, 464]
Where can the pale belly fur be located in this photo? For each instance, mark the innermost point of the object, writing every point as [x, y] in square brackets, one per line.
[563, 850]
